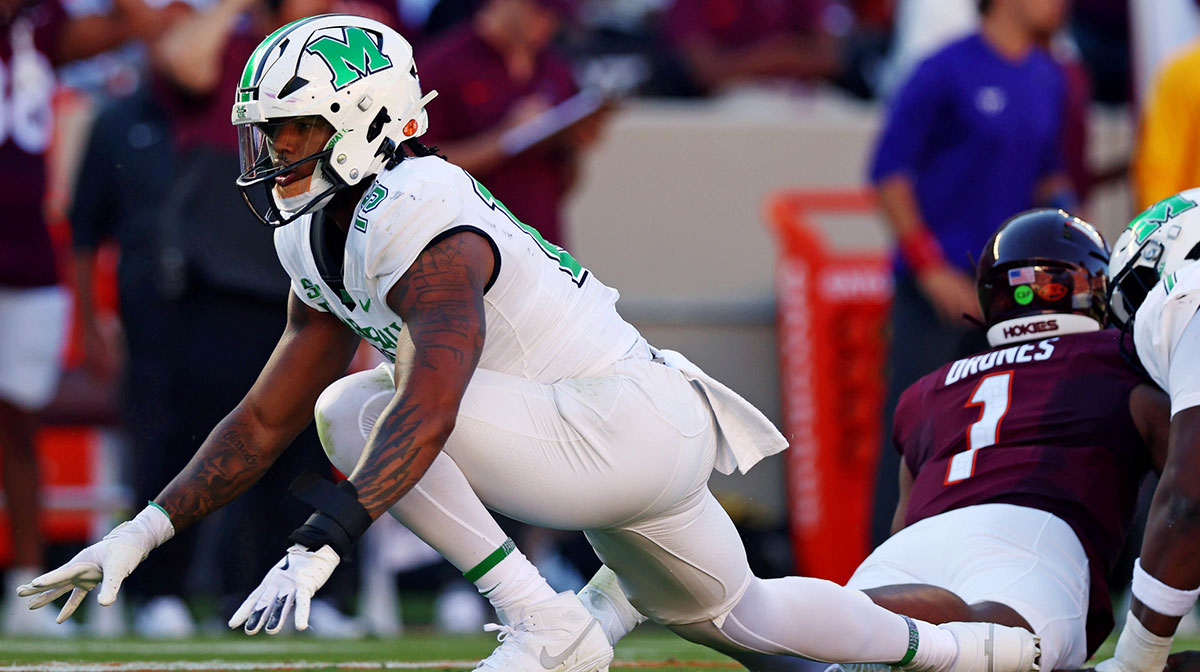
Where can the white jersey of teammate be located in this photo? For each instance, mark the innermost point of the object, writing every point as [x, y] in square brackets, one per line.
[1166, 335]
[547, 317]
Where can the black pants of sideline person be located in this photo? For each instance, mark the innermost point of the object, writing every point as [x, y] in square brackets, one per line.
[224, 340]
[920, 343]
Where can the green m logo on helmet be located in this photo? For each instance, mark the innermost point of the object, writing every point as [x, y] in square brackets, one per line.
[350, 60]
[1158, 214]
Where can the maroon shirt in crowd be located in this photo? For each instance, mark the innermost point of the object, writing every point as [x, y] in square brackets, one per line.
[27, 47]
[203, 121]
[475, 93]
[1064, 443]
[734, 24]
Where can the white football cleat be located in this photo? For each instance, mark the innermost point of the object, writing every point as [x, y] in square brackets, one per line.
[605, 600]
[987, 647]
[164, 617]
[555, 635]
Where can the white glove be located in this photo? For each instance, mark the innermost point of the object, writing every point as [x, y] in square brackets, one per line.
[293, 580]
[111, 559]
[1138, 650]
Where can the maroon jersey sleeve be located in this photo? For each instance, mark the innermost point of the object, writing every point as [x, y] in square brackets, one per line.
[28, 50]
[49, 28]
[734, 24]
[1044, 425]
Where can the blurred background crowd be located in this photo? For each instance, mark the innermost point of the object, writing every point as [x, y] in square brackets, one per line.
[139, 297]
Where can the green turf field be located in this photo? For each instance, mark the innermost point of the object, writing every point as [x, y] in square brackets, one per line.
[655, 649]
[645, 649]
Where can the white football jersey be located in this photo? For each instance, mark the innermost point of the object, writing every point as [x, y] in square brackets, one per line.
[1166, 333]
[547, 318]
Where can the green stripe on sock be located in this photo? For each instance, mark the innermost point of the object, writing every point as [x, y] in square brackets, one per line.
[476, 572]
[914, 639]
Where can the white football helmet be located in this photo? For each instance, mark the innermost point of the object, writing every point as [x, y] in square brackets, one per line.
[1154, 245]
[323, 104]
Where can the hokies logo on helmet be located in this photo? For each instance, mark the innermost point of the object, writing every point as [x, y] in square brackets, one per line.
[1019, 330]
[1052, 292]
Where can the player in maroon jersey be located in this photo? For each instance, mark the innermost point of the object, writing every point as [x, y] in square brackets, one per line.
[1021, 464]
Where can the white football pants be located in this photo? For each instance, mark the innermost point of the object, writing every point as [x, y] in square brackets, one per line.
[1026, 559]
[626, 458]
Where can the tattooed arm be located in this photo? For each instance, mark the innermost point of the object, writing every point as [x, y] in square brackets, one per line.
[440, 299]
[313, 352]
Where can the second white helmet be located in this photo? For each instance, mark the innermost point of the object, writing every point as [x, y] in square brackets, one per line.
[1156, 243]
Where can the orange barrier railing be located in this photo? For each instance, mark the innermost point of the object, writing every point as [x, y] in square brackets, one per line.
[833, 310]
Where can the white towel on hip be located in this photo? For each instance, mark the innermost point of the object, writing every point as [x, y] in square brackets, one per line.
[745, 435]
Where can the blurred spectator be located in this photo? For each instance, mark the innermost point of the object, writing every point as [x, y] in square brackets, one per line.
[922, 28]
[1101, 29]
[1166, 161]
[1157, 31]
[491, 75]
[128, 166]
[973, 137]
[447, 14]
[1076, 103]
[227, 287]
[726, 42]
[35, 36]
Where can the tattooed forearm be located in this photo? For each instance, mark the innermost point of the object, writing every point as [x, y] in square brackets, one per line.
[401, 456]
[441, 301]
[224, 467]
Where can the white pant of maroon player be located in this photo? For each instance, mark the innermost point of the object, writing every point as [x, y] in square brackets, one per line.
[1021, 557]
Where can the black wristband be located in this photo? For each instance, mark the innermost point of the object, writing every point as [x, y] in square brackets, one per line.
[339, 520]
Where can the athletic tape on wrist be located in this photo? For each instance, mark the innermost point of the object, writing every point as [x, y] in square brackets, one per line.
[157, 522]
[914, 641]
[1159, 596]
[1140, 649]
[339, 520]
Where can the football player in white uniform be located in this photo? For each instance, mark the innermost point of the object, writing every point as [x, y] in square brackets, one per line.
[1156, 292]
[514, 378]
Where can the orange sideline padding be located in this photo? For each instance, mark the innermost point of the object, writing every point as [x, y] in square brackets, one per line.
[833, 312]
[66, 456]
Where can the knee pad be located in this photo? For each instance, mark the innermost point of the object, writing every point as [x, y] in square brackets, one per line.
[346, 412]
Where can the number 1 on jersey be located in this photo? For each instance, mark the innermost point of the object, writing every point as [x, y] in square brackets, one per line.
[993, 393]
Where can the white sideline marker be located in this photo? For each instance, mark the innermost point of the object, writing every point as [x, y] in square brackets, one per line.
[232, 666]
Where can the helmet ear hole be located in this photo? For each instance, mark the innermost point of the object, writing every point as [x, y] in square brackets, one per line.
[1137, 285]
[1193, 253]
[335, 108]
[377, 124]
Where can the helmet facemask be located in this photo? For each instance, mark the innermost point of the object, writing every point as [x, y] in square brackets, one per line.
[1133, 282]
[288, 158]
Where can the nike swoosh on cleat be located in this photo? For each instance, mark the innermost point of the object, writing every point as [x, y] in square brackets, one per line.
[286, 562]
[550, 662]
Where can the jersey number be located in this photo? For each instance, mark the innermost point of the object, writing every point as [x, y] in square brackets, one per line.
[993, 393]
[25, 113]
[566, 263]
